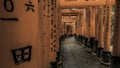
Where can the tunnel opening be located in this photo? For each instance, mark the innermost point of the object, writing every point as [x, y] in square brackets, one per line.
[60, 34]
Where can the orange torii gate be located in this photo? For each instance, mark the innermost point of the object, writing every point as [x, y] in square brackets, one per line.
[83, 3]
[116, 38]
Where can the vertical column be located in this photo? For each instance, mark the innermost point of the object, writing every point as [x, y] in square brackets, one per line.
[19, 34]
[84, 25]
[80, 25]
[57, 12]
[61, 24]
[74, 27]
[92, 28]
[77, 24]
[106, 51]
[64, 27]
[116, 37]
[41, 33]
[61, 28]
[54, 31]
[96, 32]
[88, 28]
[46, 21]
[101, 20]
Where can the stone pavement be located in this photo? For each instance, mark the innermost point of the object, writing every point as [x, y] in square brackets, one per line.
[76, 56]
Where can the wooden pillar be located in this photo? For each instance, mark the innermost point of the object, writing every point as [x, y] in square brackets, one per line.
[106, 51]
[92, 27]
[77, 24]
[64, 27]
[46, 21]
[20, 36]
[101, 31]
[54, 31]
[57, 12]
[61, 25]
[80, 24]
[74, 27]
[95, 41]
[41, 33]
[96, 32]
[116, 37]
[87, 28]
[84, 26]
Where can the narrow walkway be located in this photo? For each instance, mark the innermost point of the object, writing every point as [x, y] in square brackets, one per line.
[76, 56]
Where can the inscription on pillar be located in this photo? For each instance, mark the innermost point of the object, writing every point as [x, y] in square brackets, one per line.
[117, 16]
[22, 55]
[108, 18]
[9, 7]
[29, 6]
[53, 26]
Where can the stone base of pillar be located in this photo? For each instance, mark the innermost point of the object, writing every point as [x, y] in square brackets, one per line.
[75, 35]
[89, 49]
[79, 38]
[99, 52]
[95, 47]
[88, 43]
[115, 63]
[53, 64]
[92, 40]
[83, 40]
[106, 58]
[86, 40]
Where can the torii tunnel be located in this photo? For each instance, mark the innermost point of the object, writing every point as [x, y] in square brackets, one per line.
[59, 33]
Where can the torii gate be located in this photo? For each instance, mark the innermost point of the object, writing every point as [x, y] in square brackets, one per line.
[83, 3]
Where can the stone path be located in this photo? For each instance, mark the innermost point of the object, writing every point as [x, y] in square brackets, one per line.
[76, 56]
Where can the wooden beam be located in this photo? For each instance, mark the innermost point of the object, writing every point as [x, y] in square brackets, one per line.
[81, 3]
[71, 11]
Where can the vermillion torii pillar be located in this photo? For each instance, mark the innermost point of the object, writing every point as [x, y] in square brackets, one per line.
[80, 25]
[96, 32]
[116, 37]
[106, 51]
[20, 45]
[77, 24]
[57, 20]
[87, 27]
[92, 27]
[101, 32]
[84, 26]
[41, 34]
[54, 31]
[46, 21]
